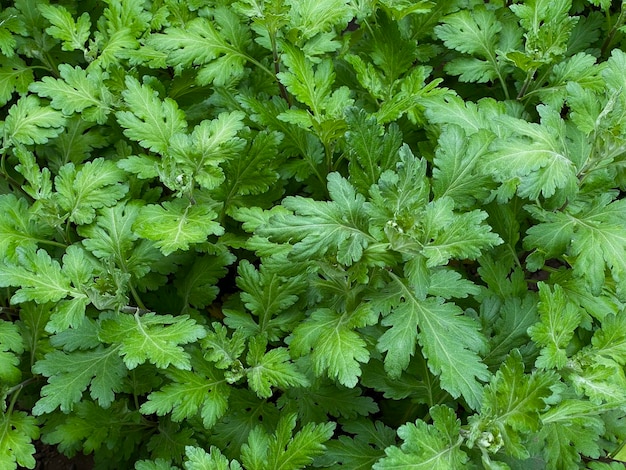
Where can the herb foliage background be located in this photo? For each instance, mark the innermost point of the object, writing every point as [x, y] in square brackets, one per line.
[293, 234]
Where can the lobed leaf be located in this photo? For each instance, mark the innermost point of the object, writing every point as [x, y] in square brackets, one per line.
[73, 33]
[334, 347]
[94, 185]
[69, 375]
[450, 341]
[340, 225]
[77, 91]
[271, 369]
[202, 392]
[29, 123]
[427, 446]
[17, 431]
[150, 121]
[153, 338]
[174, 225]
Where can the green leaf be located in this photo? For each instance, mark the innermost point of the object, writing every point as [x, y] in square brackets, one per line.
[417, 382]
[246, 411]
[111, 237]
[512, 405]
[253, 173]
[269, 296]
[428, 446]
[372, 148]
[570, 430]
[515, 317]
[454, 235]
[311, 86]
[222, 349]
[94, 185]
[77, 91]
[339, 225]
[610, 340]
[157, 464]
[537, 156]
[15, 76]
[38, 277]
[17, 431]
[11, 346]
[202, 392]
[73, 33]
[76, 143]
[211, 143]
[447, 284]
[311, 17]
[171, 441]
[150, 121]
[283, 449]
[324, 398]
[93, 428]
[456, 162]
[548, 27]
[199, 459]
[11, 25]
[28, 123]
[69, 375]
[112, 47]
[591, 233]
[470, 116]
[334, 347]
[174, 225]
[198, 286]
[216, 45]
[361, 452]
[401, 8]
[600, 236]
[153, 338]
[18, 227]
[450, 341]
[476, 32]
[558, 321]
[271, 369]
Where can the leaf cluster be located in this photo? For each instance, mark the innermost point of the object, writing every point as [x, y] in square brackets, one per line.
[290, 234]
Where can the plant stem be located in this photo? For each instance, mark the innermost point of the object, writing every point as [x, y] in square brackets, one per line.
[16, 389]
[609, 39]
[527, 82]
[275, 58]
[136, 297]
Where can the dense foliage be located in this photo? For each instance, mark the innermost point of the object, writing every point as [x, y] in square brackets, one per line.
[278, 234]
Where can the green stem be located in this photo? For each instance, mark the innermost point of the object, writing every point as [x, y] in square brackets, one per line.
[15, 391]
[135, 295]
[609, 39]
[527, 82]
[50, 243]
[12, 182]
[537, 88]
[275, 58]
